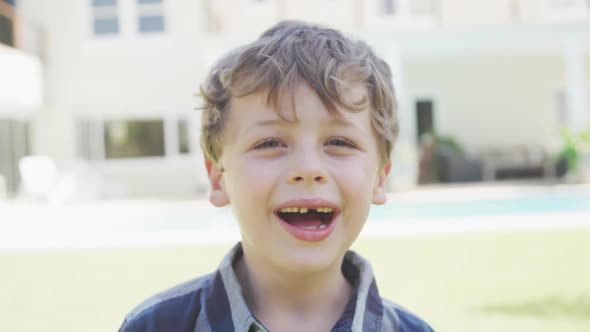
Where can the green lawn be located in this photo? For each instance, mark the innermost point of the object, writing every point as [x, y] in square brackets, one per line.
[473, 282]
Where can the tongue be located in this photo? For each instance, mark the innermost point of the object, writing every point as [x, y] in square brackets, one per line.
[304, 220]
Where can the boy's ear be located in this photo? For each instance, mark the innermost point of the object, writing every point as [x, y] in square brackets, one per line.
[217, 196]
[379, 195]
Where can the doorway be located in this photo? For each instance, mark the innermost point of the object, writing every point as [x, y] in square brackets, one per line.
[424, 117]
[425, 130]
[14, 144]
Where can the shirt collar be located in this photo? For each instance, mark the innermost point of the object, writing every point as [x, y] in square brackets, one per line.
[227, 310]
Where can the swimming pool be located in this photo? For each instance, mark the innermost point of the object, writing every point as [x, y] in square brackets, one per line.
[156, 222]
[526, 204]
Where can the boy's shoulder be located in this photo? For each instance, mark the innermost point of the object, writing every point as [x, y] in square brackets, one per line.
[169, 308]
[403, 319]
[378, 313]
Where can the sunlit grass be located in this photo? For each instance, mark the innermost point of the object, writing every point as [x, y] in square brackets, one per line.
[469, 282]
[489, 282]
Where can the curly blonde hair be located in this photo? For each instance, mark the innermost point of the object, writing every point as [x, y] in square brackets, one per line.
[295, 52]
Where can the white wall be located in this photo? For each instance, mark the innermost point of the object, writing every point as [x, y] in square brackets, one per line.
[20, 83]
[491, 102]
[243, 17]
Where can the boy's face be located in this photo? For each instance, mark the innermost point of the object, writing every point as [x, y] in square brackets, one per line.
[271, 166]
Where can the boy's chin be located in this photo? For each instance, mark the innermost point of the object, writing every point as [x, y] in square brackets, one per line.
[308, 260]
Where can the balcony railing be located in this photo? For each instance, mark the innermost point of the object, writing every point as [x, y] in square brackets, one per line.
[7, 25]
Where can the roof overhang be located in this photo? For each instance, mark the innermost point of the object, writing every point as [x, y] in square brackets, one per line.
[507, 39]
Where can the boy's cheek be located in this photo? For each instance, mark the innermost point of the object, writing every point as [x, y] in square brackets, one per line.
[251, 179]
[361, 172]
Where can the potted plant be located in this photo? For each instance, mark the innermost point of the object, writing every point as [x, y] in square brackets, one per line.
[576, 154]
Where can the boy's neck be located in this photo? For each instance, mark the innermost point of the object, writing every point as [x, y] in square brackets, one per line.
[282, 300]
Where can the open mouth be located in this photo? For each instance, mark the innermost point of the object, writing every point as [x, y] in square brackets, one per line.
[309, 219]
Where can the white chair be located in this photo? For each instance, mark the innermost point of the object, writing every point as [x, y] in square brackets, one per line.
[39, 176]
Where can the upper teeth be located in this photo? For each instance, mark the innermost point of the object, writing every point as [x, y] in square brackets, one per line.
[305, 210]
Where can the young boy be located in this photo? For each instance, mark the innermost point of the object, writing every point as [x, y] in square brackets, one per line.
[298, 128]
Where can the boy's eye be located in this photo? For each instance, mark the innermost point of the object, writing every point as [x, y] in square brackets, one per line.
[269, 143]
[339, 141]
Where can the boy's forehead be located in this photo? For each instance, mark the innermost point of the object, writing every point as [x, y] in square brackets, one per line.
[257, 107]
[292, 103]
[252, 112]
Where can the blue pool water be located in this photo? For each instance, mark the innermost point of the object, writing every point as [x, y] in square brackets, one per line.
[188, 217]
[531, 204]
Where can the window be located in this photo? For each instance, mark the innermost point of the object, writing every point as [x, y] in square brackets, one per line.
[150, 16]
[105, 17]
[132, 139]
[99, 139]
[127, 19]
[183, 136]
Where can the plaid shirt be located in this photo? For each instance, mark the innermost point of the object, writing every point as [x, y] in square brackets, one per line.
[214, 303]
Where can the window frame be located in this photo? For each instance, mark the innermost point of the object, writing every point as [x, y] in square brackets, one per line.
[91, 130]
[129, 31]
[110, 150]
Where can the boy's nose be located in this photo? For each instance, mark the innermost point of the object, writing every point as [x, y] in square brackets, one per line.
[307, 170]
[307, 178]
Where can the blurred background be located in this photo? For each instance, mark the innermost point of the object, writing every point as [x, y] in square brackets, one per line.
[103, 189]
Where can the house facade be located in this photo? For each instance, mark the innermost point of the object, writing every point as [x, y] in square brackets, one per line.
[108, 88]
